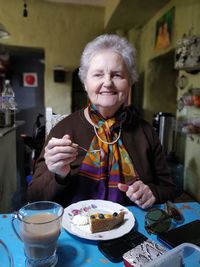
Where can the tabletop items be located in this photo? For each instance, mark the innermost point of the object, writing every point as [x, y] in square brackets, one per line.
[94, 206]
[187, 233]
[158, 220]
[115, 249]
[83, 251]
[186, 255]
[143, 254]
[39, 226]
[100, 222]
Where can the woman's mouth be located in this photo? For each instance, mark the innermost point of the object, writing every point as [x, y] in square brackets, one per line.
[108, 93]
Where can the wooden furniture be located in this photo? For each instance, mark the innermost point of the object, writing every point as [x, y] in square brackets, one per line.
[8, 166]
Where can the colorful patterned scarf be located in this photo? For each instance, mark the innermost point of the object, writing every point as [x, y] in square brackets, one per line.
[113, 163]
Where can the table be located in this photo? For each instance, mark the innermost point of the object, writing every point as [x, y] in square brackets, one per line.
[77, 252]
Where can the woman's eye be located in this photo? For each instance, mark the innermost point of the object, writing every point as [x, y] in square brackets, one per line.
[118, 75]
[97, 75]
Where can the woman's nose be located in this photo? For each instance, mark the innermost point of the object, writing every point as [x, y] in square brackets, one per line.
[107, 80]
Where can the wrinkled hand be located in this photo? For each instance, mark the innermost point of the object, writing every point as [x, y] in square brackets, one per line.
[139, 193]
[59, 153]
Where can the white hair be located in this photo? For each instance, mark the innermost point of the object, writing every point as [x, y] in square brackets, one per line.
[112, 42]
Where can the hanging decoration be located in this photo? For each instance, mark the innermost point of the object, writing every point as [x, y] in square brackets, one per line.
[164, 30]
[187, 53]
[30, 79]
[25, 11]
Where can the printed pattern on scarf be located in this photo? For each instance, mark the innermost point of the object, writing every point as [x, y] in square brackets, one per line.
[112, 164]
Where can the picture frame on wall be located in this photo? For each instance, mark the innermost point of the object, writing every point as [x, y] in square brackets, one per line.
[30, 79]
[164, 30]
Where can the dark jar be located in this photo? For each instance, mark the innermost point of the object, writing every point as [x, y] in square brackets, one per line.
[7, 117]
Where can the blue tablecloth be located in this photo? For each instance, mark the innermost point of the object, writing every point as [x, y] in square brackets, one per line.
[75, 252]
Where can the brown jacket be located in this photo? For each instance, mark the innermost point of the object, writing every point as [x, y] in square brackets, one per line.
[141, 142]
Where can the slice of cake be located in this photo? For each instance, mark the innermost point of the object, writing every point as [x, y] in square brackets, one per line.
[100, 222]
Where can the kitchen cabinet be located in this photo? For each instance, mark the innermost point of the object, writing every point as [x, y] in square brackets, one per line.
[8, 167]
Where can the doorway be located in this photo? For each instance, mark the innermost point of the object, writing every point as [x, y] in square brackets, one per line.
[79, 95]
[161, 91]
[30, 100]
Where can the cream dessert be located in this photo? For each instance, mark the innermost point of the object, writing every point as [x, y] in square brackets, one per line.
[80, 219]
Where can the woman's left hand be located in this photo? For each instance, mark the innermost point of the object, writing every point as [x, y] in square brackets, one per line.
[139, 193]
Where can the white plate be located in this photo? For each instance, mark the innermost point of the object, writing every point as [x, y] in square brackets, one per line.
[94, 206]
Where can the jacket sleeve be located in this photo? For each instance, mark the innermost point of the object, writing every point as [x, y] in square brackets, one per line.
[44, 184]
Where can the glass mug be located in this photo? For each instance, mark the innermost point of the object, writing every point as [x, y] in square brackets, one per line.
[39, 226]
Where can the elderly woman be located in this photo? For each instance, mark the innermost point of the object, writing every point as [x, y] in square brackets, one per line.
[103, 151]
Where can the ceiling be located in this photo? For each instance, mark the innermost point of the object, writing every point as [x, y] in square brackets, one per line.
[132, 13]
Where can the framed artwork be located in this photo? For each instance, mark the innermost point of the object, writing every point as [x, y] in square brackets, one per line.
[164, 30]
[30, 79]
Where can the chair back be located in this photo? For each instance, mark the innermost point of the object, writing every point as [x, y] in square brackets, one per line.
[52, 119]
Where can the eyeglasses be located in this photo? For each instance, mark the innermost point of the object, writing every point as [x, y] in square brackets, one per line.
[158, 221]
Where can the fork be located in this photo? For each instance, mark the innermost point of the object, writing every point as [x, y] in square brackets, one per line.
[90, 151]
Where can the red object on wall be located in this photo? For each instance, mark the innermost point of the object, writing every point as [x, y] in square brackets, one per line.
[30, 79]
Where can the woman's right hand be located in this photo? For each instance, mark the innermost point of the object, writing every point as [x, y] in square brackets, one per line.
[59, 153]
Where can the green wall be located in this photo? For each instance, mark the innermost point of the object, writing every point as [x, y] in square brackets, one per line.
[61, 30]
[109, 10]
[187, 15]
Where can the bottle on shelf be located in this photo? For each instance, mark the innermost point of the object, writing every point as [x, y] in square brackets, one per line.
[8, 95]
[8, 105]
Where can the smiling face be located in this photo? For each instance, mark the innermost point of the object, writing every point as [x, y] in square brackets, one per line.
[107, 82]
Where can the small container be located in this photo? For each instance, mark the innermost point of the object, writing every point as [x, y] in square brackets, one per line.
[7, 117]
[188, 99]
[196, 97]
[143, 254]
[186, 255]
[191, 126]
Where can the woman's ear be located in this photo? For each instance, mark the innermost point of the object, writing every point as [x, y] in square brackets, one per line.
[128, 98]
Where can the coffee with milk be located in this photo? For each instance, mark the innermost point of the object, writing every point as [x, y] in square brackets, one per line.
[39, 226]
[40, 234]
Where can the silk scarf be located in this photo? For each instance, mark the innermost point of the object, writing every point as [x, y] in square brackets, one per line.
[113, 162]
